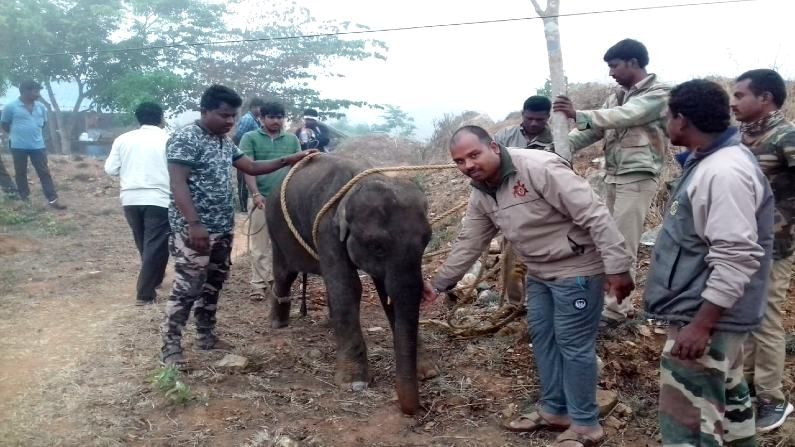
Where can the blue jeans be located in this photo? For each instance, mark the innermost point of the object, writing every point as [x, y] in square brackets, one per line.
[563, 317]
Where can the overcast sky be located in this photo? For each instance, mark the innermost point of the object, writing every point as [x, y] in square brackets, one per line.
[492, 68]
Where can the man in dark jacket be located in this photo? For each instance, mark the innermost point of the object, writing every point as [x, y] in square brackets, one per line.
[708, 274]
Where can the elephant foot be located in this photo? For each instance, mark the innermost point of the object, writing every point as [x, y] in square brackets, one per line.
[280, 311]
[426, 368]
[351, 379]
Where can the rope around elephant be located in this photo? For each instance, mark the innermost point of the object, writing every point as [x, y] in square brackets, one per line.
[457, 331]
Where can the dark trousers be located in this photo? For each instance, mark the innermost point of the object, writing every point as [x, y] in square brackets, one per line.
[242, 191]
[38, 158]
[150, 230]
[6, 183]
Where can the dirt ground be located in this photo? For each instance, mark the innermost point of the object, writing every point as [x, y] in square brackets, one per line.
[77, 358]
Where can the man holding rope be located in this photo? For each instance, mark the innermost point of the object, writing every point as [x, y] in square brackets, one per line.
[574, 253]
[268, 142]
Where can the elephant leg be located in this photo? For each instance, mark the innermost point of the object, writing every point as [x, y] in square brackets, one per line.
[426, 368]
[344, 291]
[280, 291]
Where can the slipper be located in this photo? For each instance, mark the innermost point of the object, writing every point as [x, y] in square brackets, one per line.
[257, 296]
[532, 422]
[581, 439]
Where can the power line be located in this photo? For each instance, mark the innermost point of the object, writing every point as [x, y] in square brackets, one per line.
[369, 31]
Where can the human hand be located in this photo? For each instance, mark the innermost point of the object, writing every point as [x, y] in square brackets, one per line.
[198, 237]
[564, 105]
[691, 341]
[259, 201]
[295, 158]
[619, 285]
[428, 294]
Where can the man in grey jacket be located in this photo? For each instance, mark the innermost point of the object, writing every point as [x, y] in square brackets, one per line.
[573, 252]
[708, 273]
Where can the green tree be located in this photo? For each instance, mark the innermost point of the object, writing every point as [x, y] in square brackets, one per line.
[278, 66]
[80, 41]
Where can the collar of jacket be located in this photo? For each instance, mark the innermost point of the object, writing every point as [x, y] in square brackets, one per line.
[729, 137]
[643, 84]
[507, 169]
[544, 137]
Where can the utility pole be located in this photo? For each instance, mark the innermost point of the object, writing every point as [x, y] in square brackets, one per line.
[558, 123]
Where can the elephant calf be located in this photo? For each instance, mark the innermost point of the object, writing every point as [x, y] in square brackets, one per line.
[379, 227]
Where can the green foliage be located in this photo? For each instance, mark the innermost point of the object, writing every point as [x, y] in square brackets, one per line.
[351, 129]
[126, 93]
[167, 380]
[16, 216]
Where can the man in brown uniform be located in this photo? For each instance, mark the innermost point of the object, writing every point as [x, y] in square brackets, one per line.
[756, 102]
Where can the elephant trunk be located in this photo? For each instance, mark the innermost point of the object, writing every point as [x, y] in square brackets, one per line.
[406, 293]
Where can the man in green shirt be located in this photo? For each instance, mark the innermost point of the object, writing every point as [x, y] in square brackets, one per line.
[268, 142]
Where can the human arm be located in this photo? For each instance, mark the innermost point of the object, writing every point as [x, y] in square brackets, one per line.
[256, 196]
[6, 118]
[477, 230]
[113, 162]
[572, 196]
[198, 237]
[636, 111]
[251, 167]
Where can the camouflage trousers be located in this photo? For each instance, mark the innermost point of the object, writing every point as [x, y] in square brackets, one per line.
[198, 280]
[706, 402]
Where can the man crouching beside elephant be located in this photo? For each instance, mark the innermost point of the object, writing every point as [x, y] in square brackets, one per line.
[201, 215]
[574, 253]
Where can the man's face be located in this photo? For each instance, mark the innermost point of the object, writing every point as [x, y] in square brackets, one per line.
[310, 123]
[534, 122]
[272, 123]
[675, 127]
[31, 95]
[221, 120]
[255, 112]
[746, 106]
[622, 71]
[478, 161]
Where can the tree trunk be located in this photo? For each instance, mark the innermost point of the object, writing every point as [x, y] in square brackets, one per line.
[52, 130]
[559, 124]
[64, 145]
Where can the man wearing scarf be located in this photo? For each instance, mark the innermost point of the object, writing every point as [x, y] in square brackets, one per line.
[757, 98]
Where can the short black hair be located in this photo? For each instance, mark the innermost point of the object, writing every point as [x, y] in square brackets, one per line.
[537, 104]
[311, 112]
[481, 133]
[216, 95]
[255, 103]
[628, 49]
[272, 108]
[766, 80]
[29, 85]
[149, 113]
[704, 103]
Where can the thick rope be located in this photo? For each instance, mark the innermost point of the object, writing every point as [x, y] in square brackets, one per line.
[339, 195]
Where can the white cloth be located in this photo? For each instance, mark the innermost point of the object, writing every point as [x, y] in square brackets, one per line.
[139, 158]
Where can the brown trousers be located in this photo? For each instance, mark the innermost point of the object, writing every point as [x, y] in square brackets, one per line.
[628, 204]
[765, 348]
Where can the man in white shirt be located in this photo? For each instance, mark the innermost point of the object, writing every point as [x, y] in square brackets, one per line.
[139, 158]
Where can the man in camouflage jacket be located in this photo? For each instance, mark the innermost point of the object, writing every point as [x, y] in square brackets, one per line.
[757, 98]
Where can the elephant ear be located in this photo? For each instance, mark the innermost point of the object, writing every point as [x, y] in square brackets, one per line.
[341, 215]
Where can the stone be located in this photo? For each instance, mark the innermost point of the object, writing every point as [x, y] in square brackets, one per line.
[614, 423]
[314, 354]
[623, 410]
[606, 400]
[232, 361]
[286, 441]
